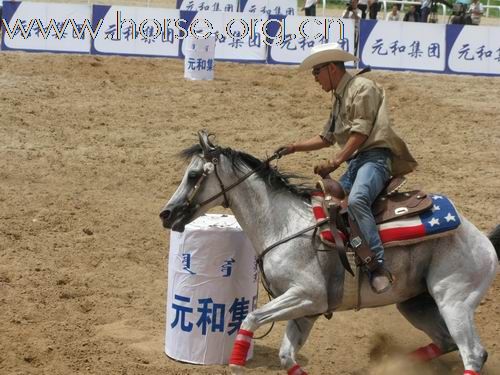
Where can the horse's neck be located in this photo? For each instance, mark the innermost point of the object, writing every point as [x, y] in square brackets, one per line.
[268, 216]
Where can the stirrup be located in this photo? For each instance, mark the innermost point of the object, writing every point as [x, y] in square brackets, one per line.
[386, 273]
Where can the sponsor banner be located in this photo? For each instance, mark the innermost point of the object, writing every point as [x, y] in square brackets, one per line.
[403, 45]
[294, 36]
[269, 7]
[138, 31]
[46, 27]
[239, 36]
[208, 5]
[473, 49]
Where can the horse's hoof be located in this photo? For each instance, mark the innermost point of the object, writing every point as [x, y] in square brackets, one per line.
[236, 369]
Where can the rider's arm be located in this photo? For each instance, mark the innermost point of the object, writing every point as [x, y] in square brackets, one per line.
[315, 143]
[354, 142]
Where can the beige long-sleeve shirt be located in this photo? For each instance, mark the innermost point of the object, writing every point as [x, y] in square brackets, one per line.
[363, 110]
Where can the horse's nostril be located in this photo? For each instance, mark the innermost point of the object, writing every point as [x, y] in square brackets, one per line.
[165, 214]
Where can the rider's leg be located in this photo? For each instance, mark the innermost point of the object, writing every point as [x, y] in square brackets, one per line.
[370, 180]
[296, 335]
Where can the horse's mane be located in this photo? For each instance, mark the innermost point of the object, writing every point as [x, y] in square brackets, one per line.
[271, 175]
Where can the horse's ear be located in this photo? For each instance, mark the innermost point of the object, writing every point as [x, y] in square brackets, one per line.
[205, 142]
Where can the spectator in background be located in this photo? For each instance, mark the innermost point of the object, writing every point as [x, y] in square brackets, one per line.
[374, 7]
[394, 15]
[412, 15]
[363, 5]
[474, 13]
[310, 7]
[425, 9]
[352, 11]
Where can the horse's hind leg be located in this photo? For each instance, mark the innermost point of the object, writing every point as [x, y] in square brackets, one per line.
[459, 318]
[296, 335]
[423, 313]
[459, 276]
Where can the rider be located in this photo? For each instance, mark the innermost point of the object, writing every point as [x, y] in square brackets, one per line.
[359, 124]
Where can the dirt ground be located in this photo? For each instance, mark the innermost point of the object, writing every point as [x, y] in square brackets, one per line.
[87, 160]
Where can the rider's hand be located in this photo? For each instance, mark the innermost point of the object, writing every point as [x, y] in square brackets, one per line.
[326, 168]
[285, 150]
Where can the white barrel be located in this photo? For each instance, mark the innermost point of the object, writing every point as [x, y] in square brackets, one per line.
[212, 286]
[199, 62]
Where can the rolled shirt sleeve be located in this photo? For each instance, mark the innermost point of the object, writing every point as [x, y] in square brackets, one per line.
[364, 110]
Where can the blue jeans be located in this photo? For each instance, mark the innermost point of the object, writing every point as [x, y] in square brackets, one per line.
[424, 14]
[366, 176]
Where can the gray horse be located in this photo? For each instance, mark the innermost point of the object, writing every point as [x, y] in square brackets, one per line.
[440, 282]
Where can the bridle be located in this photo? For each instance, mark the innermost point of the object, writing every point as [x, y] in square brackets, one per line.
[211, 156]
[209, 166]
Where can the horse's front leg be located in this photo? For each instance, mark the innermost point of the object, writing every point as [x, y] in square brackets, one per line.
[296, 335]
[295, 303]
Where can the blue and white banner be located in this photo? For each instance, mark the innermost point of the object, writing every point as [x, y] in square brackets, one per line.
[294, 36]
[262, 31]
[403, 45]
[269, 7]
[473, 49]
[137, 31]
[46, 27]
[239, 36]
[208, 5]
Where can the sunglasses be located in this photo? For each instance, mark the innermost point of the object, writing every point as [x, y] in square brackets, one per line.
[316, 70]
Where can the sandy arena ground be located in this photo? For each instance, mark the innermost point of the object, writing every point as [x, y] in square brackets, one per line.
[87, 160]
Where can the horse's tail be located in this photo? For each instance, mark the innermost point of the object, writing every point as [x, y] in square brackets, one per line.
[494, 237]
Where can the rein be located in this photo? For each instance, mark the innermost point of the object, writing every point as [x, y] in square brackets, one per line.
[260, 257]
[224, 190]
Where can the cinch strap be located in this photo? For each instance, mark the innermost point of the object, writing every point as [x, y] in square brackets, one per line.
[241, 347]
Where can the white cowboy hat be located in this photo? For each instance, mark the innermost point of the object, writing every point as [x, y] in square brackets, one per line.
[324, 53]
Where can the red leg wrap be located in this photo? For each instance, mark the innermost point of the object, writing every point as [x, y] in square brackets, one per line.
[296, 370]
[426, 353]
[470, 372]
[241, 347]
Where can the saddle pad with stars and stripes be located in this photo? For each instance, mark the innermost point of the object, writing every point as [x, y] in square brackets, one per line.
[440, 220]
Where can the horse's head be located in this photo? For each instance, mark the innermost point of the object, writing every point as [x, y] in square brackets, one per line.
[200, 188]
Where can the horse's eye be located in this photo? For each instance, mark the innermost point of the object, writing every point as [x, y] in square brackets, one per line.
[192, 175]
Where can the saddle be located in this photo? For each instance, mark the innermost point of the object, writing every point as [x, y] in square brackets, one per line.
[389, 205]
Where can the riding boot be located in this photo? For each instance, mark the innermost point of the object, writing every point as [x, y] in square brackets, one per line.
[381, 278]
